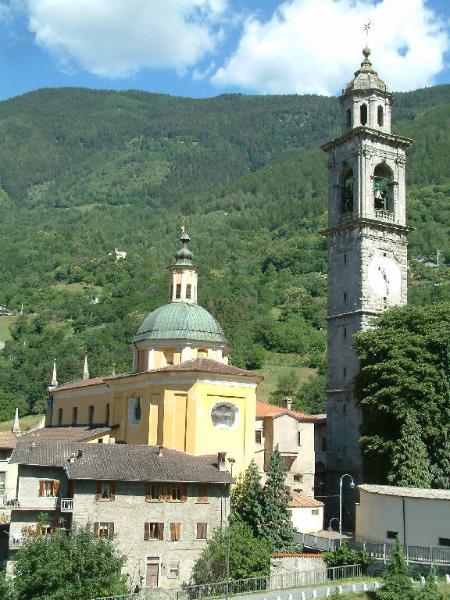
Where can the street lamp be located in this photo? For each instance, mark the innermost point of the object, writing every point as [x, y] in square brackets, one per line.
[231, 461]
[352, 485]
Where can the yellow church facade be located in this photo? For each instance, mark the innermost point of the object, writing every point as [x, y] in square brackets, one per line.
[181, 392]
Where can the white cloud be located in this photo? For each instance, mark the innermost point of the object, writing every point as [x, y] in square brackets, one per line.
[116, 38]
[313, 46]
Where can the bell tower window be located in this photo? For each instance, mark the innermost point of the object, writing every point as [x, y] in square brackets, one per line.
[348, 118]
[383, 199]
[380, 116]
[363, 114]
[347, 190]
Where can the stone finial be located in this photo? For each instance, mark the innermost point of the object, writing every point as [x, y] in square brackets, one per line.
[16, 426]
[113, 371]
[54, 382]
[85, 367]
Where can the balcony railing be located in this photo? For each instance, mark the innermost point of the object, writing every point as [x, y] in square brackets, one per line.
[385, 215]
[39, 503]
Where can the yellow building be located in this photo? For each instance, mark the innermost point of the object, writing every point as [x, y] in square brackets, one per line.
[181, 393]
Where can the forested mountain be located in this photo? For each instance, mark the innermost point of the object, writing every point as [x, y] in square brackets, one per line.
[83, 172]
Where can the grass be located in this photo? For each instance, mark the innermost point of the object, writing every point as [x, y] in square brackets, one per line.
[445, 589]
[5, 323]
[25, 423]
[274, 365]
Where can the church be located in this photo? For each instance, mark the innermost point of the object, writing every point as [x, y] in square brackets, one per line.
[181, 392]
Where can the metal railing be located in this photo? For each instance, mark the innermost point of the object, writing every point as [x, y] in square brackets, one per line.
[282, 581]
[66, 504]
[380, 551]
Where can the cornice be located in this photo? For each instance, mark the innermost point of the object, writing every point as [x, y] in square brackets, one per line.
[367, 133]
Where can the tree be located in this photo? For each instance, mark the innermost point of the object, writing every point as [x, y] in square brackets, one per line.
[277, 526]
[78, 565]
[397, 584]
[287, 385]
[410, 463]
[247, 499]
[431, 590]
[344, 555]
[249, 556]
[5, 587]
[311, 396]
[404, 369]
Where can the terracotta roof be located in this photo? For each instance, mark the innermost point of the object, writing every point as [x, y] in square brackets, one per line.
[79, 383]
[7, 440]
[206, 365]
[298, 500]
[263, 409]
[391, 490]
[121, 462]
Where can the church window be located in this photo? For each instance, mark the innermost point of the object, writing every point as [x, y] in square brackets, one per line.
[383, 190]
[348, 117]
[345, 371]
[60, 416]
[74, 415]
[380, 116]
[347, 190]
[224, 415]
[91, 415]
[363, 114]
[345, 296]
[188, 291]
[178, 291]
[345, 332]
[107, 414]
[134, 411]
[345, 259]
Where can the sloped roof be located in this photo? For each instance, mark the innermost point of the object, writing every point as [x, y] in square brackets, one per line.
[391, 490]
[7, 440]
[79, 383]
[300, 501]
[206, 365]
[263, 409]
[121, 462]
[50, 434]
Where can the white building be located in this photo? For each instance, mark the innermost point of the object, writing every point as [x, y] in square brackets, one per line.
[419, 517]
[307, 513]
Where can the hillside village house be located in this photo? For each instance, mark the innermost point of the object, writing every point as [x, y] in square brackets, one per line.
[160, 505]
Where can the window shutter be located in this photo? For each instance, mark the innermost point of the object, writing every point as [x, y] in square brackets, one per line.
[41, 488]
[98, 493]
[178, 530]
[173, 531]
[163, 492]
[184, 493]
[55, 487]
[146, 531]
[112, 495]
[96, 529]
[148, 495]
[111, 530]
[160, 531]
[202, 493]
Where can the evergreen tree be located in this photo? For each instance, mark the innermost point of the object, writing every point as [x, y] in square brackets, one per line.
[247, 499]
[397, 584]
[431, 590]
[410, 463]
[277, 526]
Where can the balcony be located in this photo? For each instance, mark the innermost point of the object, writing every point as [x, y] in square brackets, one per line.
[39, 503]
[385, 215]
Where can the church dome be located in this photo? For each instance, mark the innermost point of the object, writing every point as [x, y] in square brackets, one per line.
[366, 78]
[180, 321]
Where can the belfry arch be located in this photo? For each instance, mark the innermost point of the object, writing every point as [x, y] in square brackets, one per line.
[346, 186]
[383, 188]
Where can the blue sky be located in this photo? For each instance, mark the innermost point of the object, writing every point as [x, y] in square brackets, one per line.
[206, 47]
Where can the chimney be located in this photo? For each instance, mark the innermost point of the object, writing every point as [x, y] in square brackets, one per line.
[287, 403]
[160, 450]
[221, 462]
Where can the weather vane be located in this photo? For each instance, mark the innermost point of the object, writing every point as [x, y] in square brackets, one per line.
[367, 27]
[183, 225]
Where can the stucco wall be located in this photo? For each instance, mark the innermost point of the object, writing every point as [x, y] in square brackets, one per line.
[305, 520]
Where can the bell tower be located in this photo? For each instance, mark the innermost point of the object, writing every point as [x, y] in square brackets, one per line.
[367, 248]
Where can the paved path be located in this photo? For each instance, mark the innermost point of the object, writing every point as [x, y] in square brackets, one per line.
[307, 593]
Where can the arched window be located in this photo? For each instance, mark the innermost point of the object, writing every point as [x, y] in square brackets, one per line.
[134, 411]
[383, 192]
[380, 116]
[224, 415]
[348, 117]
[347, 190]
[363, 114]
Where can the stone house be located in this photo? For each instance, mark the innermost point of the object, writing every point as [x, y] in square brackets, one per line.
[293, 433]
[160, 505]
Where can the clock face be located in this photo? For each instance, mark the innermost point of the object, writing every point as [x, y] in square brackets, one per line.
[384, 277]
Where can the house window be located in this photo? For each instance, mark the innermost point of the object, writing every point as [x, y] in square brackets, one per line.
[173, 571]
[258, 436]
[2, 483]
[444, 541]
[60, 416]
[202, 492]
[188, 291]
[152, 492]
[166, 493]
[105, 491]
[178, 291]
[392, 535]
[175, 532]
[48, 488]
[153, 531]
[315, 511]
[74, 415]
[202, 531]
[175, 493]
[299, 438]
[104, 530]
[91, 415]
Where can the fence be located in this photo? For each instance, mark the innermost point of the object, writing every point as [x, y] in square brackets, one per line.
[414, 554]
[282, 581]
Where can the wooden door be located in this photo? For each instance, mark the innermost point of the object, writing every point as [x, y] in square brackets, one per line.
[152, 574]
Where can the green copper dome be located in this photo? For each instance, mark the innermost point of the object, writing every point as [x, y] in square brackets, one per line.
[180, 321]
